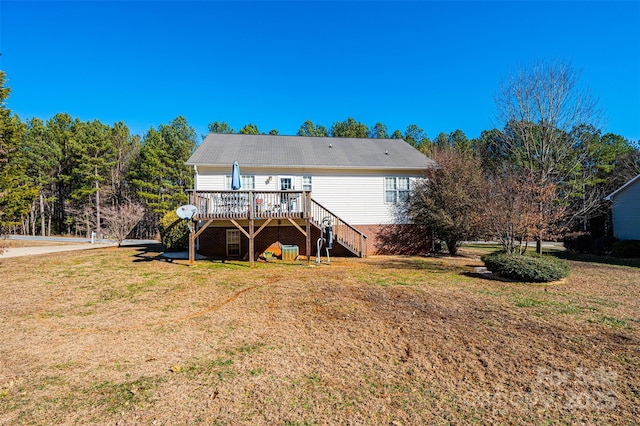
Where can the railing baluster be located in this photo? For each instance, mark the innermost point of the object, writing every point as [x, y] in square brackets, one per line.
[274, 204]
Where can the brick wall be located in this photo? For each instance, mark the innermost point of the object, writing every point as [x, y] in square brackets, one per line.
[397, 239]
[382, 239]
[213, 240]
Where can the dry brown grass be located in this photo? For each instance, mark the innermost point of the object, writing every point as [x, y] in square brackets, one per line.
[8, 243]
[118, 336]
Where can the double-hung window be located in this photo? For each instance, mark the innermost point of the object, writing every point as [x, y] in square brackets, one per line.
[306, 183]
[248, 182]
[396, 189]
[286, 183]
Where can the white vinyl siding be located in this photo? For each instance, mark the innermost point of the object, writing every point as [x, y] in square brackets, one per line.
[211, 182]
[358, 198]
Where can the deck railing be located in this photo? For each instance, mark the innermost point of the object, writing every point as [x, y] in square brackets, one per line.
[275, 205]
[251, 204]
[345, 234]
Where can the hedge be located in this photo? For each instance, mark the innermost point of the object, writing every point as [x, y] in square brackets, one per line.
[626, 248]
[586, 244]
[174, 232]
[527, 267]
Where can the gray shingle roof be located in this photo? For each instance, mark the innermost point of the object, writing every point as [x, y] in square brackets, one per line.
[622, 188]
[302, 151]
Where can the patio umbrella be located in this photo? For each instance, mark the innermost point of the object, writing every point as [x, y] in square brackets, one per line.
[235, 177]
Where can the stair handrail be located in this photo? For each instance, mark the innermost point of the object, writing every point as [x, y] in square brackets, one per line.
[337, 221]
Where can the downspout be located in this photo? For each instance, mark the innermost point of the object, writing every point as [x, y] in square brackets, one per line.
[195, 177]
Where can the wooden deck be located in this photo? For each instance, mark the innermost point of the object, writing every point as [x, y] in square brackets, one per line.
[251, 204]
[261, 207]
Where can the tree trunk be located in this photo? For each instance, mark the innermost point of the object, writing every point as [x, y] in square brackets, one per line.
[539, 237]
[98, 230]
[42, 221]
[452, 246]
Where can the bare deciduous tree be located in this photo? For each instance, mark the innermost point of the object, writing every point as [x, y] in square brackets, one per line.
[120, 220]
[517, 207]
[540, 106]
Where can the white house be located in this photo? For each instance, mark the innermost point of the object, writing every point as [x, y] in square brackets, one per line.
[358, 183]
[625, 208]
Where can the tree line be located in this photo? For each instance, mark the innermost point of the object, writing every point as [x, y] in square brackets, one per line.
[66, 176]
[349, 128]
[543, 175]
[70, 177]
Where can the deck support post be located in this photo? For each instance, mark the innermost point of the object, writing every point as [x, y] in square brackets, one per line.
[308, 247]
[192, 238]
[252, 238]
[265, 206]
[192, 248]
[192, 230]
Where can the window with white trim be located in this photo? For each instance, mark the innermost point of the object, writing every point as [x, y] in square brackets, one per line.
[248, 182]
[306, 183]
[286, 183]
[396, 189]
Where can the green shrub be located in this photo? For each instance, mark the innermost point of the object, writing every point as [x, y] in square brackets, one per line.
[626, 248]
[174, 232]
[578, 243]
[527, 267]
[604, 245]
[585, 243]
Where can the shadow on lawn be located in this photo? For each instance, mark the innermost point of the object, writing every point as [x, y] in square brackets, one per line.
[592, 258]
[413, 263]
[155, 252]
[150, 253]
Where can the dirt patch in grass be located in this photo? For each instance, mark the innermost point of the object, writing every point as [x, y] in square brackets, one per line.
[118, 336]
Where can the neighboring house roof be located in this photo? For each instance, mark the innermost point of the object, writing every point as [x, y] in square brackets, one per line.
[302, 151]
[622, 188]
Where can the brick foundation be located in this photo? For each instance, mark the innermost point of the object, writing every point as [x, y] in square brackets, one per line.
[397, 239]
[382, 239]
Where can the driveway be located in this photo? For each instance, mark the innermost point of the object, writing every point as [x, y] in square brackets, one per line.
[66, 244]
[30, 251]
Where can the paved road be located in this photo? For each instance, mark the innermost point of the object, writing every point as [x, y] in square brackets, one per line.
[69, 244]
[547, 244]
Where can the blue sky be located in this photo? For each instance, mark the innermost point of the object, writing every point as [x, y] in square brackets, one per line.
[277, 64]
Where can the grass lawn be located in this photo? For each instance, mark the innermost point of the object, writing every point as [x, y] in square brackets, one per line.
[119, 336]
[11, 243]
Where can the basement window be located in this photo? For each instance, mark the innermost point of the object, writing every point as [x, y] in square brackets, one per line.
[233, 242]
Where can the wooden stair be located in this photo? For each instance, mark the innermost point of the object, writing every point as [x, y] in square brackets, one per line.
[344, 234]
